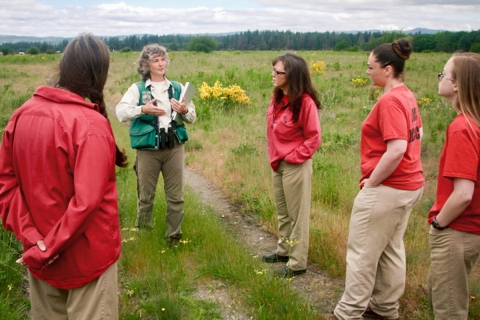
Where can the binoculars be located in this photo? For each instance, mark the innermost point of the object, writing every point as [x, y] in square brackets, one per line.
[167, 139]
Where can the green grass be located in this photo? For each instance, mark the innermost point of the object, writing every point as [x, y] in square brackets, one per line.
[228, 146]
[157, 281]
[13, 303]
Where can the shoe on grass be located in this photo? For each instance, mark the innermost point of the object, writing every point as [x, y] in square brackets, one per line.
[370, 314]
[173, 241]
[274, 257]
[286, 272]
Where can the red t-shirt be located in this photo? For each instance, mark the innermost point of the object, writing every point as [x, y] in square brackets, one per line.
[394, 116]
[460, 159]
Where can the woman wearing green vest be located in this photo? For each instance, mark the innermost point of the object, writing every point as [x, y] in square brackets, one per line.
[157, 101]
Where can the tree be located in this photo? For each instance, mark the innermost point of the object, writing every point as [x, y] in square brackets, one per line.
[475, 47]
[33, 50]
[6, 50]
[342, 46]
[353, 49]
[202, 44]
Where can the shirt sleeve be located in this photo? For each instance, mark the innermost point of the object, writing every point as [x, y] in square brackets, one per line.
[128, 108]
[393, 121]
[461, 146]
[14, 212]
[311, 131]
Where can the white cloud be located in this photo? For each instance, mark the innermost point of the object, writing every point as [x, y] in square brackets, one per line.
[121, 18]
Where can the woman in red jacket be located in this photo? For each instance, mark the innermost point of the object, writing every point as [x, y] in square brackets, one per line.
[294, 135]
[455, 215]
[58, 192]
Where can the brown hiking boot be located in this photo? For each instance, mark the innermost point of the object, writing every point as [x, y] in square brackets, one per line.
[370, 314]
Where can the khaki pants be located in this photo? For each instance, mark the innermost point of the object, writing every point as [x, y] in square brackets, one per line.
[149, 164]
[292, 190]
[376, 263]
[453, 255]
[97, 300]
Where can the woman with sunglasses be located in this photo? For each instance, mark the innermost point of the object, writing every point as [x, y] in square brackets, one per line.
[293, 134]
[391, 184]
[455, 215]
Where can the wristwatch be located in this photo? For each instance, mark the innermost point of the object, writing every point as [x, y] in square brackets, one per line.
[436, 226]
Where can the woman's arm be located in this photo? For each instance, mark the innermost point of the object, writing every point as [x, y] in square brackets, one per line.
[457, 202]
[388, 163]
[14, 212]
[312, 134]
[128, 107]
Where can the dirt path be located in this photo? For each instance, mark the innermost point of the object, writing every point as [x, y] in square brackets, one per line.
[317, 287]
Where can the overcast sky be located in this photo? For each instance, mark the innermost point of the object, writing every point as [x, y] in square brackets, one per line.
[68, 18]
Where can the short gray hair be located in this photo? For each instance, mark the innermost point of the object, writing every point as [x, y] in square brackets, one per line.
[149, 52]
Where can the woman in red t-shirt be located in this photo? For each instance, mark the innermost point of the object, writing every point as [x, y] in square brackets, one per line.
[391, 184]
[455, 215]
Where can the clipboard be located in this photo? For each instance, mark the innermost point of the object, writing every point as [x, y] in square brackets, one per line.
[187, 93]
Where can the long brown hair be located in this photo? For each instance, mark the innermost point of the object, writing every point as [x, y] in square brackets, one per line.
[298, 82]
[466, 72]
[83, 70]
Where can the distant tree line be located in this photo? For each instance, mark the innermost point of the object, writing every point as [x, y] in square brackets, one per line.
[444, 41]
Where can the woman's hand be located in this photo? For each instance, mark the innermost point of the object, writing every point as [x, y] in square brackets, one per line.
[367, 183]
[42, 247]
[179, 107]
[457, 202]
[152, 109]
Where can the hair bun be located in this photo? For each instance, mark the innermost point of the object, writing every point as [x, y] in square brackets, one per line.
[402, 48]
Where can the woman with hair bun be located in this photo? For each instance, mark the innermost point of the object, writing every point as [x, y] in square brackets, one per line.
[391, 184]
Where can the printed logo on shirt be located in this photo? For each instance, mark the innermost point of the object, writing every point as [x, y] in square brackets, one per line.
[415, 132]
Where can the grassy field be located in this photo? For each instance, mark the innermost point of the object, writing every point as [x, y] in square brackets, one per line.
[228, 146]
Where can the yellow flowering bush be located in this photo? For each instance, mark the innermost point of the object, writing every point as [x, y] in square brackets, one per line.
[424, 102]
[233, 93]
[318, 67]
[358, 82]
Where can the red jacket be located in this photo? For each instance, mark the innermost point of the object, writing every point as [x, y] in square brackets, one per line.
[57, 183]
[294, 142]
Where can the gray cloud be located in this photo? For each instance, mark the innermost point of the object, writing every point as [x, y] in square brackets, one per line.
[307, 15]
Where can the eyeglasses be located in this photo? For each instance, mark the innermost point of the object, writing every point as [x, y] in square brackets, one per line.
[441, 76]
[279, 72]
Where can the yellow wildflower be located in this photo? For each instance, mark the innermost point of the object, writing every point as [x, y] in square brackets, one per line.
[318, 67]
